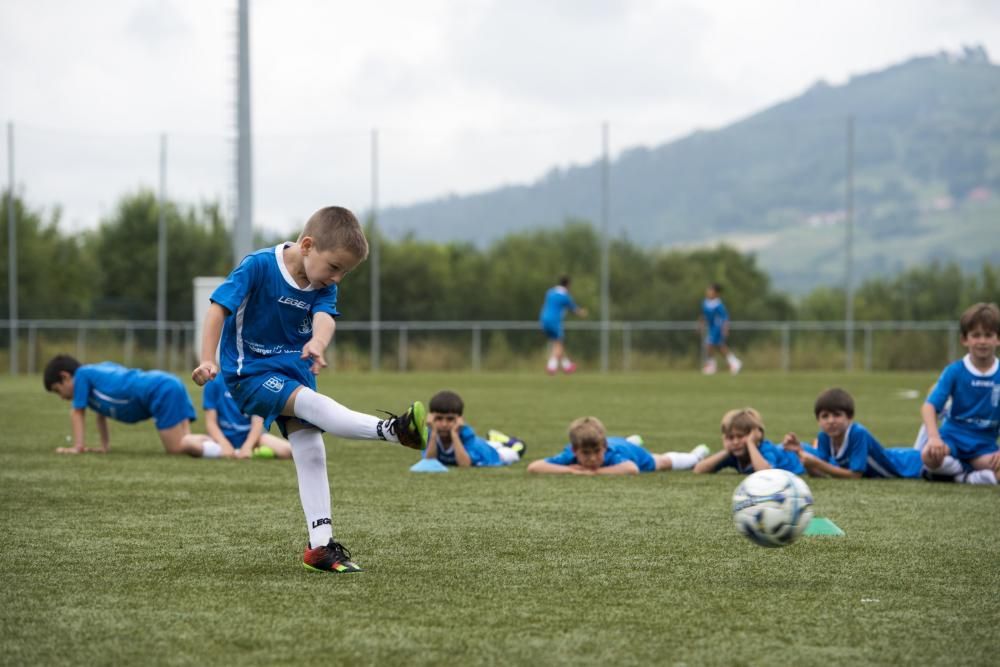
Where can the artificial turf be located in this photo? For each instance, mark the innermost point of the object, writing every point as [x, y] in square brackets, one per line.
[140, 558]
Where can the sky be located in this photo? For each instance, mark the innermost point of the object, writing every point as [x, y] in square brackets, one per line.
[466, 95]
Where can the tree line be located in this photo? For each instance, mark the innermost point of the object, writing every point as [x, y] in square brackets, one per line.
[111, 273]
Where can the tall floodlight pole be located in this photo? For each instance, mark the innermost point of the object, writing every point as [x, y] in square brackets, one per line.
[11, 250]
[849, 248]
[243, 227]
[161, 259]
[373, 258]
[605, 277]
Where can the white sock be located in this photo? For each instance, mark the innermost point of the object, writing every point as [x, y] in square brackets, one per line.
[553, 363]
[682, 460]
[731, 359]
[335, 419]
[309, 455]
[210, 449]
[507, 455]
[949, 466]
[979, 477]
[566, 363]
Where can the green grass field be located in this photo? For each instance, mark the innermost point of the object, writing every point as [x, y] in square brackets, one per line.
[140, 558]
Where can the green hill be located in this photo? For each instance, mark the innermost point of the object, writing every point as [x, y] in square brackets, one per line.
[926, 177]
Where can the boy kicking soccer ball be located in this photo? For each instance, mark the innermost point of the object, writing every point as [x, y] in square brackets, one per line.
[274, 314]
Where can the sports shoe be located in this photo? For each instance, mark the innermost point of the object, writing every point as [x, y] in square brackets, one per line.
[333, 558]
[569, 369]
[410, 427]
[701, 451]
[735, 366]
[550, 370]
[517, 445]
[262, 452]
[709, 368]
[494, 435]
[636, 439]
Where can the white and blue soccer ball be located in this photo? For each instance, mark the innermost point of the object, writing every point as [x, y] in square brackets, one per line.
[772, 507]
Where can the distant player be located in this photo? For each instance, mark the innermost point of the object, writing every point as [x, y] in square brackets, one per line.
[557, 302]
[127, 395]
[713, 323]
[592, 452]
[241, 433]
[847, 449]
[453, 442]
[274, 314]
[964, 448]
[745, 449]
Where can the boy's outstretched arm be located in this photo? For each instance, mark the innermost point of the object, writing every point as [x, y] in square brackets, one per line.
[711, 462]
[541, 466]
[820, 468]
[623, 468]
[77, 420]
[212, 331]
[315, 347]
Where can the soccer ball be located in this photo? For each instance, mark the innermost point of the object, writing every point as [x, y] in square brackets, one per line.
[772, 507]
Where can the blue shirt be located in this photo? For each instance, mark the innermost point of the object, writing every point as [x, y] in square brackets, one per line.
[480, 452]
[557, 302]
[861, 452]
[715, 314]
[618, 451]
[270, 318]
[775, 455]
[234, 424]
[975, 400]
[110, 389]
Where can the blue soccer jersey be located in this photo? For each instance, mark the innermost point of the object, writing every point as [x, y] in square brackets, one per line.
[773, 454]
[861, 452]
[971, 427]
[130, 395]
[618, 451]
[480, 452]
[557, 302]
[715, 314]
[234, 424]
[269, 320]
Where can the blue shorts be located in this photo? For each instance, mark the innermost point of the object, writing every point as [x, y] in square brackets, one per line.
[170, 404]
[966, 446]
[715, 337]
[553, 330]
[265, 395]
[236, 438]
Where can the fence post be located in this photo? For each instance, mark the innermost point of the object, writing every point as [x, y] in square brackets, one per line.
[786, 347]
[626, 347]
[32, 348]
[952, 341]
[81, 343]
[477, 347]
[403, 352]
[129, 344]
[868, 347]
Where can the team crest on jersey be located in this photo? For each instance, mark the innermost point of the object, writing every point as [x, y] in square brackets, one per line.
[306, 326]
[274, 384]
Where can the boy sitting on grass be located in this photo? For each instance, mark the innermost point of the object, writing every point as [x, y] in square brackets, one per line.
[243, 434]
[846, 449]
[745, 449]
[591, 452]
[454, 443]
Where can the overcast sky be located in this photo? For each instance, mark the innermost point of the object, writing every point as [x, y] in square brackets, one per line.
[467, 94]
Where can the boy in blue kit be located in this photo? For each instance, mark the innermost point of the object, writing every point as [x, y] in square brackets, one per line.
[452, 442]
[232, 429]
[127, 395]
[274, 314]
[745, 449]
[714, 326]
[846, 449]
[964, 448]
[591, 452]
[557, 302]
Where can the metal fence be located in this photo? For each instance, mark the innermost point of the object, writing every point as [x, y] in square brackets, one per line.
[635, 343]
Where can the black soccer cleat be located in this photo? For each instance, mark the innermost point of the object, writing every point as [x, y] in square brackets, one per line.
[333, 557]
[410, 428]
